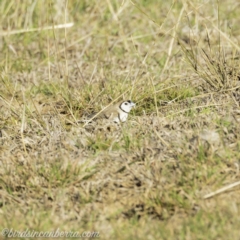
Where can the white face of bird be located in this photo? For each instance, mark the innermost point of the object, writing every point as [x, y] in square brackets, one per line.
[127, 106]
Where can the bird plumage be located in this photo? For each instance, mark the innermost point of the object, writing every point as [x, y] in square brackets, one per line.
[117, 112]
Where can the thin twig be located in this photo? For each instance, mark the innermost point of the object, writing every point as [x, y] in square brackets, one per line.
[66, 25]
[223, 189]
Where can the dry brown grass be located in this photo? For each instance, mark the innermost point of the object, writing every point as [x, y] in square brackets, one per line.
[146, 179]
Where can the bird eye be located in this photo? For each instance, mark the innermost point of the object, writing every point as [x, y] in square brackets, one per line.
[126, 103]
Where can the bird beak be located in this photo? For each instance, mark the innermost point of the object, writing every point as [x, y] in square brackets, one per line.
[133, 104]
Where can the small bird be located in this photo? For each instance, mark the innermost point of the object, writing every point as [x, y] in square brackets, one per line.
[117, 113]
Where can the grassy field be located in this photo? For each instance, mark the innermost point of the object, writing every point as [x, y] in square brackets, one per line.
[153, 177]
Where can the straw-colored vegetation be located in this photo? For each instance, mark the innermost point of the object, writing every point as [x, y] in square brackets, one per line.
[150, 177]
